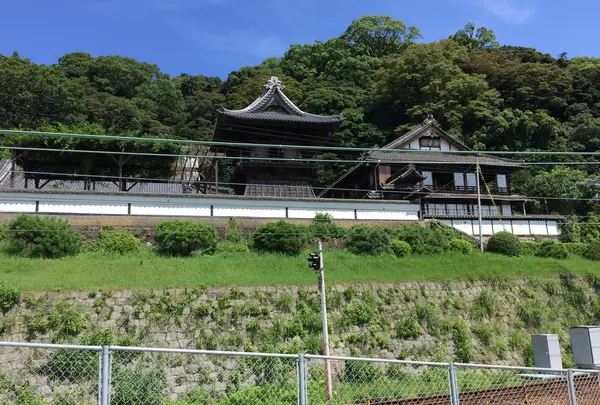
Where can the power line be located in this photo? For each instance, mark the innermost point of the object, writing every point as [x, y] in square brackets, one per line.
[281, 146]
[295, 160]
[81, 177]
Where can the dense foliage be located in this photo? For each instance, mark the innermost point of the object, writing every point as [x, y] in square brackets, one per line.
[280, 237]
[48, 237]
[368, 241]
[460, 245]
[505, 243]
[323, 229]
[553, 249]
[400, 248]
[593, 251]
[182, 238]
[121, 242]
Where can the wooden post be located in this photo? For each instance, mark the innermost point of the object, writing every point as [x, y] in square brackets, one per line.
[216, 176]
[13, 167]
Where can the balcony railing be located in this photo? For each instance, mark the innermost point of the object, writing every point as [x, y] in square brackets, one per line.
[453, 189]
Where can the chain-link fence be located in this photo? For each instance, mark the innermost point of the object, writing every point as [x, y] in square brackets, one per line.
[38, 374]
[33, 374]
[370, 381]
[171, 376]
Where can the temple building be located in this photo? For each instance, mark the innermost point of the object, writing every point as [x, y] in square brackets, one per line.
[273, 119]
[445, 184]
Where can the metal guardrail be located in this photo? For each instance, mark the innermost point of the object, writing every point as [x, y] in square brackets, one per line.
[46, 374]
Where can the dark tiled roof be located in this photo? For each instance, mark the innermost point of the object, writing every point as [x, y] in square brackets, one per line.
[406, 156]
[286, 111]
[281, 117]
[298, 189]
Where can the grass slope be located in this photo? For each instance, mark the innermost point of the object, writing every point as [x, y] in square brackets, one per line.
[93, 271]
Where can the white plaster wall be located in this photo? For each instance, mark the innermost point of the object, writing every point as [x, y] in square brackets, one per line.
[74, 208]
[15, 206]
[308, 213]
[166, 210]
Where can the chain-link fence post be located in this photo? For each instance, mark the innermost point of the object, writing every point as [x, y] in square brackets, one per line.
[301, 371]
[105, 375]
[452, 384]
[571, 385]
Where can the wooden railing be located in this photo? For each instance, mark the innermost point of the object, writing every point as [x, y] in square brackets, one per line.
[453, 189]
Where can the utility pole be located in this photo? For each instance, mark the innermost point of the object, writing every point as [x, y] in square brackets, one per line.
[316, 262]
[479, 206]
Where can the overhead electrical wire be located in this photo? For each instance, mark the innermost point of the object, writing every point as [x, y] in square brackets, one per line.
[281, 146]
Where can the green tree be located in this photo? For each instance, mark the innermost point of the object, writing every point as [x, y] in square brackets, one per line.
[482, 38]
[378, 36]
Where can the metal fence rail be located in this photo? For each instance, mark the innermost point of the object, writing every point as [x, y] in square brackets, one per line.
[41, 374]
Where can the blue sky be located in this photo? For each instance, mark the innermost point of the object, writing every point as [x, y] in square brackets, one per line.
[214, 37]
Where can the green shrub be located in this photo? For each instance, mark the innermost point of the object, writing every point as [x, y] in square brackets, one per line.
[280, 237]
[138, 387]
[552, 249]
[322, 228]
[120, 242]
[570, 230]
[361, 371]
[68, 321]
[9, 297]
[3, 232]
[460, 245]
[234, 234]
[530, 248]
[230, 247]
[423, 240]
[359, 313]
[485, 305]
[181, 238]
[400, 248]
[485, 333]
[47, 237]
[409, 327]
[367, 241]
[505, 243]
[462, 342]
[531, 314]
[592, 252]
[577, 249]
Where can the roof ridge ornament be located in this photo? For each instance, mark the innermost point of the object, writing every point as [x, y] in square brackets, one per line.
[430, 120]
[274, 82]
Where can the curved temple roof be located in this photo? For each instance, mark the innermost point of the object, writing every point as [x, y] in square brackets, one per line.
[273, 105]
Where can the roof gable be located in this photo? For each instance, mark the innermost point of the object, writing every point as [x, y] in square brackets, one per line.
[273, 105]
[428, 128]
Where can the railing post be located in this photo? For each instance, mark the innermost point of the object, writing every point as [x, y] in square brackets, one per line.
[453, 386]
[301, 370]
[105, 384]
[571, 384]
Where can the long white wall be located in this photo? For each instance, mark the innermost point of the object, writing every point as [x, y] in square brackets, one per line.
[203, 207]
[244, 208]
[520, 227]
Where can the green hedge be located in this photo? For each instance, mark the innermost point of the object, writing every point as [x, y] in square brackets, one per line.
[505, 243]
[182, 238]
[280, 237]
[576, 248]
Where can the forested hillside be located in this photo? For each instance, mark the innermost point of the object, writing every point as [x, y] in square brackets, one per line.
[379, 73]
